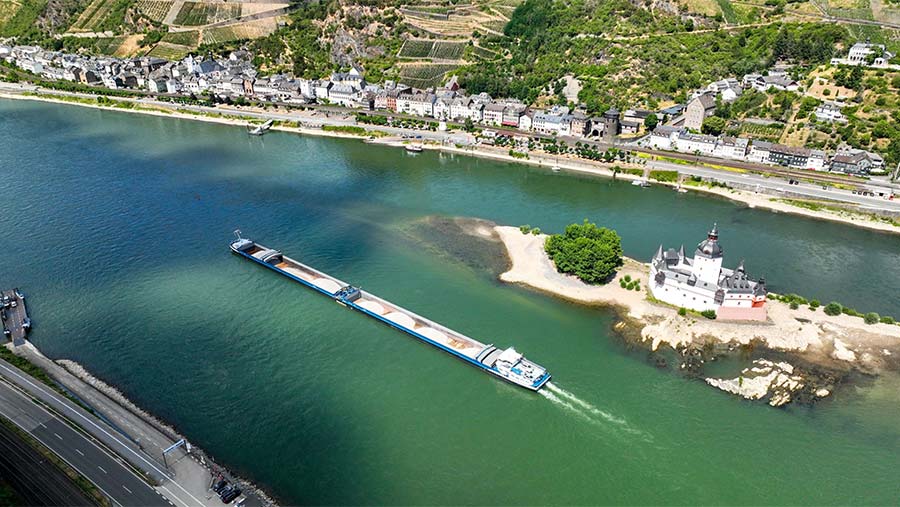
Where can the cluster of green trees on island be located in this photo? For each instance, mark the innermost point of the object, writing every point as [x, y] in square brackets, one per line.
[589, 252]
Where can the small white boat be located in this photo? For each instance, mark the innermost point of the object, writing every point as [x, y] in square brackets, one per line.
[641, 183]
[260, 129]
[414, 148]
[555, 168]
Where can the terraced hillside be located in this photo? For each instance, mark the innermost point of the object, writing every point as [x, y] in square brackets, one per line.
[102, 16]
[155, 10]
[433, 50]
[199, 13]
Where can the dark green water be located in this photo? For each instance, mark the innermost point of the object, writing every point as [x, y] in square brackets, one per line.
[117, 226]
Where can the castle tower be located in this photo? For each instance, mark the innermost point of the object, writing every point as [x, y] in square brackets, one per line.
[708, 258]
[611, 125]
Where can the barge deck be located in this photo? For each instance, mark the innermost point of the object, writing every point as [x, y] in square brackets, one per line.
[504, 363]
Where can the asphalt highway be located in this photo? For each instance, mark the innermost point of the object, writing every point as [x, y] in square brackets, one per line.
[37, 480]
[115, 480]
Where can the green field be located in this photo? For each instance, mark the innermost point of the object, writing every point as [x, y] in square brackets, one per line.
[416, 48]
[103, 15]
[484, 53]
[413, 48]
[169, 51]
[223, 34]
[425, 76]
[856, 9]
[448, 50]
[191, 38]
[155, 10]
[197, 14]
[771, 131]
[108, 45]
[728, 11]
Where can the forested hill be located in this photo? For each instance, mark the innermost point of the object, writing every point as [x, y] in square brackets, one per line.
[626, 55]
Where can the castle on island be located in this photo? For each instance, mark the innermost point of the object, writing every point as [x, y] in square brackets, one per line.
[702, 283]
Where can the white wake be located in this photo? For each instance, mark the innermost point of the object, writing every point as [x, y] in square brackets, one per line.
[585, 410]
[583, 404]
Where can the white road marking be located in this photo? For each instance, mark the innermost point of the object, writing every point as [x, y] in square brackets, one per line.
[43, 425]
[79, 452]
[101, 469]
[126, 489]
[57, 435]
[80, 416]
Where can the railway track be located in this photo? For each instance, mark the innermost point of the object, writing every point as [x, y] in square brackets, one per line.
[808, 175]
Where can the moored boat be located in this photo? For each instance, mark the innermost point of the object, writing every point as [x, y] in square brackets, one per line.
[260, 129]
[414, 148]
[507, 364]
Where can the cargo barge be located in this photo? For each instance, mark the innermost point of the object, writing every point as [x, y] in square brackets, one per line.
[504, 363]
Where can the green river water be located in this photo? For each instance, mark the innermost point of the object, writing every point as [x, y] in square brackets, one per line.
[117, 227]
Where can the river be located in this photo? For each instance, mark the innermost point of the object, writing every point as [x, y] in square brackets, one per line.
[117, 225]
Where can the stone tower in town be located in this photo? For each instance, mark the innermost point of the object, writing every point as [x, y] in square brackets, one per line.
[611, 125]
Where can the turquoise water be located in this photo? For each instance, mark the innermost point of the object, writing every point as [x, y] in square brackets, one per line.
[117, 227]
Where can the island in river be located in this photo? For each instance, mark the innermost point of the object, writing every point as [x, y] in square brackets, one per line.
[254, 369]
[827, 346]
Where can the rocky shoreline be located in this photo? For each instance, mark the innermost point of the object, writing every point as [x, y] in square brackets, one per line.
[797, 355]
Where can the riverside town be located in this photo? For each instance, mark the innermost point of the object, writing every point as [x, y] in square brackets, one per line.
[676, 128]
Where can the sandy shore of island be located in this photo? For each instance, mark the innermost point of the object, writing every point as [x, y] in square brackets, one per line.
[839, 340]
[565, 163]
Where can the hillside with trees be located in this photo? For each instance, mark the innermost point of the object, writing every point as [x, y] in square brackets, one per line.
[617, 68]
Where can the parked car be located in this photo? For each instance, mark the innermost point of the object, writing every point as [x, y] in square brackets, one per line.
[219, 485]
[236, 492]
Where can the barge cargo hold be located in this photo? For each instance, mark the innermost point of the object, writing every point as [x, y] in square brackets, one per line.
[504, 363]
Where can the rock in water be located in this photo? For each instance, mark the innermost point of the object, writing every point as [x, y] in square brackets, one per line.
[764, 378]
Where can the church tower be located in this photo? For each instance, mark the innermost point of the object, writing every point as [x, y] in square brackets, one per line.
[708, 258]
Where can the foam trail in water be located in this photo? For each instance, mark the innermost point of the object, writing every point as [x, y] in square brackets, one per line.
[583, 404]
[565, 404]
